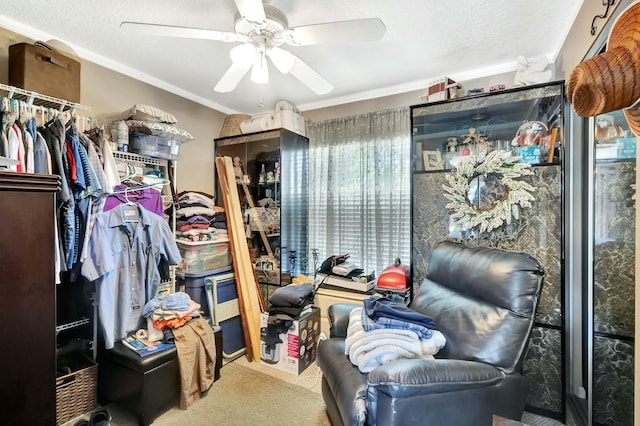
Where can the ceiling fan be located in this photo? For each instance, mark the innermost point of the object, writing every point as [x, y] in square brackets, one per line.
[262, 29]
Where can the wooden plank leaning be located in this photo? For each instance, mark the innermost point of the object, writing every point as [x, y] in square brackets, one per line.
[248, 291]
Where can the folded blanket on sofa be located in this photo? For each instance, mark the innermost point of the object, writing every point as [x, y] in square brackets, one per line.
[370, 349]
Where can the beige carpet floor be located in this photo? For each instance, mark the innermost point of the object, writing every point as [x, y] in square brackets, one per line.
[247, 394]
[251, 393]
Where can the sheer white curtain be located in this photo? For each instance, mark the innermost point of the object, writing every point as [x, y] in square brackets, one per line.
[359, 180]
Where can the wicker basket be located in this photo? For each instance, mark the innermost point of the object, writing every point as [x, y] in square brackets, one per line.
[231, 126]
[76, 391]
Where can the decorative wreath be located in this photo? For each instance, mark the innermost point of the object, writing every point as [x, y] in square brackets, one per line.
[518, 193]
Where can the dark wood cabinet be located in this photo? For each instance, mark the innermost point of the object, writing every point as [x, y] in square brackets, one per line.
[28, 305]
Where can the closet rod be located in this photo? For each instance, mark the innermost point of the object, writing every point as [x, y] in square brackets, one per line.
[30, 96]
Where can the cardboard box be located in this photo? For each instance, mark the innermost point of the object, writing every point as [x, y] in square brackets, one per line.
[295, 349]
[289, 120]
[440, 89]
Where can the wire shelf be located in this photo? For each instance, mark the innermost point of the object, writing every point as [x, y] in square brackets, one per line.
[43, 100]
[73, 324]
[138, 160]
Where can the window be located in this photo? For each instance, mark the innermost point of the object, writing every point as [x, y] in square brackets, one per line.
[359, 181]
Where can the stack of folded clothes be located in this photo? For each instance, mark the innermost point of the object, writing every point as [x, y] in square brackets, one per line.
[384, 330]
[285, 305]
[168, 312]
[199, 219]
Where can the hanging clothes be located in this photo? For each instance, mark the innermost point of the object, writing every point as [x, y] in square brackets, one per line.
[64, 198]
[108, 162]
[98, 199]
[149, 198]
[16, 149]
[123, 261]
[86, 191]
[29, 155]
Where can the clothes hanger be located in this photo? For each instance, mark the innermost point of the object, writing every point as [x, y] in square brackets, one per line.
[139, 186]
[130, 209]
[130, 178]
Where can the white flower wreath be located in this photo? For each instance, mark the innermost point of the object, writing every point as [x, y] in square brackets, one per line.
[518, 194]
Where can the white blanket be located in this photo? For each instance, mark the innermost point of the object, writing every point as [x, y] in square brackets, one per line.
[369, 349]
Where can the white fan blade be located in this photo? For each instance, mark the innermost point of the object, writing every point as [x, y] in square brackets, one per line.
[230, 79]
[251, 10]
[371, 29]
[310, 77]
[282, 59]
[184, 32]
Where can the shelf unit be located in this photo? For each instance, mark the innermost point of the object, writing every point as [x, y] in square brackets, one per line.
[538, 230]
[276, 205]
[601, 349]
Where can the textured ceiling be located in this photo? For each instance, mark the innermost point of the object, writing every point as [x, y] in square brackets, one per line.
[424, 40]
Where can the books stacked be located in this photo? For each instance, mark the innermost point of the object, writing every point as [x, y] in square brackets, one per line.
[143, 346]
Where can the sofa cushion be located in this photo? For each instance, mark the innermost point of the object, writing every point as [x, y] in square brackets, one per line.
[347, 384]
[481, 323]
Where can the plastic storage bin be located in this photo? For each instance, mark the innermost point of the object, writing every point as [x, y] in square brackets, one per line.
[198, 257]
[194, 286]
[154, 146]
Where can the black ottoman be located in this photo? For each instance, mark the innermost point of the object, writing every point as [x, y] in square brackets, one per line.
[146, 386]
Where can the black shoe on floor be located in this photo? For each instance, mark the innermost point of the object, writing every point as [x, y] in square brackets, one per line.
[100, 417]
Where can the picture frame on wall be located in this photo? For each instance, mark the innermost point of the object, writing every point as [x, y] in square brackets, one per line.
[432, 160]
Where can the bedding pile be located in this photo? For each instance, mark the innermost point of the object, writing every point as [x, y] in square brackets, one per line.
[150, 120]
[384, 330]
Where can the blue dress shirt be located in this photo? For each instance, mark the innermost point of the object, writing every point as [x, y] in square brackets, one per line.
[123, 261]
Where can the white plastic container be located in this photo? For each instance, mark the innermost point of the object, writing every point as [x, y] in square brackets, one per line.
[198, 257]
[122, 133]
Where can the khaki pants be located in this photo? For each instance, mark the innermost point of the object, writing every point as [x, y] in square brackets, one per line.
[196, 348]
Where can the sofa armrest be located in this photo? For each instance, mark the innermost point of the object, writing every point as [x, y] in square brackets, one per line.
[411, 377]
[338, 315]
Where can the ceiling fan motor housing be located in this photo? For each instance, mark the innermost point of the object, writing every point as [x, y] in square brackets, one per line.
[270, 30]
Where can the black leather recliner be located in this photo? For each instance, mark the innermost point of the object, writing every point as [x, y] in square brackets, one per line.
[484, 301]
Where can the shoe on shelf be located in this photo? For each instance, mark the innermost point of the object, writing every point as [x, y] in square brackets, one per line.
[82, 422]
[100, 417]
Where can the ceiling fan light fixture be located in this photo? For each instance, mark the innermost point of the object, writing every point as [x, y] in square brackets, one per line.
[282, 59]
[260, 72]
[243, 56]
[262, 28]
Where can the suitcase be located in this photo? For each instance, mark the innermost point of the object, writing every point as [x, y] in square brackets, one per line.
[45, 71]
